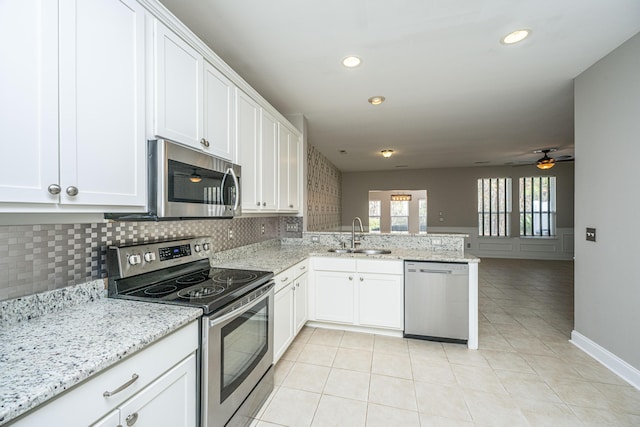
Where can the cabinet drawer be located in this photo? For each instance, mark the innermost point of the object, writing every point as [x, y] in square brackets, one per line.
[334, 264]
[290, 274]
[380, 266]
[85, 403]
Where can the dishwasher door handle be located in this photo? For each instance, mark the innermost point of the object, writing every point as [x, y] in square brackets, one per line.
[424, 270]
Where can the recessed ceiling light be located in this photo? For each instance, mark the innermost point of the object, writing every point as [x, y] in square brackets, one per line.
[386, 153]
[515, 36]
[351, 61]
[376, 100]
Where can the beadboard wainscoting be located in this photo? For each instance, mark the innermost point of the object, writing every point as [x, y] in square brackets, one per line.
[559, 247]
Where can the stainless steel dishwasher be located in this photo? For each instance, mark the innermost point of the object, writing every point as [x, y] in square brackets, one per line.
[436, 301]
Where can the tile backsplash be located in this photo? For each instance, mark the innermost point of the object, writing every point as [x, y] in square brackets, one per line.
[37, 258]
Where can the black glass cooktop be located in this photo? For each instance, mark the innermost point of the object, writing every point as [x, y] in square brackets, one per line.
[210, 289]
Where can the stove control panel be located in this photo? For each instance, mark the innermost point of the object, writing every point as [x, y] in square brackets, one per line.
[132, 260]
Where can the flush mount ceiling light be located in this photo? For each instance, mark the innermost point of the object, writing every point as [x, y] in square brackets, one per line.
[515, 36]
[386, 153]
[194, 177]
[376, 100]
[351, 61]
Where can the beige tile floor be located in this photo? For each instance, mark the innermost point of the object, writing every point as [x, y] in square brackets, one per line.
[525, 373]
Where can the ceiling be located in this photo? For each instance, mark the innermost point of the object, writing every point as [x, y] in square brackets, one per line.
[455, 96]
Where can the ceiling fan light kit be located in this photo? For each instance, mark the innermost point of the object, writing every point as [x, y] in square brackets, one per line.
[386, 153]
[545, 163]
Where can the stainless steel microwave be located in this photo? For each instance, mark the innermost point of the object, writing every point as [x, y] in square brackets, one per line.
[186, 183]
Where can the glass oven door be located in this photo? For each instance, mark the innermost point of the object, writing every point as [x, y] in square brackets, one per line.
[237, 351]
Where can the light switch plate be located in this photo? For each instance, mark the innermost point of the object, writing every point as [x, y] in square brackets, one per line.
[591, 234]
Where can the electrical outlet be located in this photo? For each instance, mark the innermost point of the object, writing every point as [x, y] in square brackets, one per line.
[591, 234]
[436, 242]
[468, 245]
[315, 239]
[262, 228]
[230, 233]
[292, 227]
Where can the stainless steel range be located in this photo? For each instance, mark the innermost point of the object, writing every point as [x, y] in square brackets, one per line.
[236, 363]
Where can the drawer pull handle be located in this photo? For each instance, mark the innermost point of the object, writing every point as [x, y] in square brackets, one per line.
[133, 379]
[284, 280]
[303, 267]
[131, 419]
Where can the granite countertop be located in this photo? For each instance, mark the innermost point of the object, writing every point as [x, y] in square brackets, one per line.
[279, 258]
[44, 356]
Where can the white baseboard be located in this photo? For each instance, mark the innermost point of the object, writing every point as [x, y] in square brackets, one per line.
[608, 359]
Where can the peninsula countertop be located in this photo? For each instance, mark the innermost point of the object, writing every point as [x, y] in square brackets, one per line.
[44, 356]
[278, 258]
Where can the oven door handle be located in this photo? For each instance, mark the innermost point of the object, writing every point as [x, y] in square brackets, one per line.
[233, 313]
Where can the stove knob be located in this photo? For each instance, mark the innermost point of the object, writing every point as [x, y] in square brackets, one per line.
[196, 247]
[134, 259]
[206, 246]
[149, 256]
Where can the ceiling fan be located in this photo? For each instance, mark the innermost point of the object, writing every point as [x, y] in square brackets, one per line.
[547, 162]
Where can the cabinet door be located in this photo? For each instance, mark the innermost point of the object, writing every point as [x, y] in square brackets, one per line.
[219, 113]
[111, 420]
[248, 148]
[381, 300]
[29, 111]
[334, 296]
[102, 108]
[288, 151]
[178, 89]
[283, 320]
[168, 401]
[295, 152]
[269, 161]
[300, 303]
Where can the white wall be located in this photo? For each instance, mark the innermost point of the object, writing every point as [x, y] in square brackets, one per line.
[607, 141]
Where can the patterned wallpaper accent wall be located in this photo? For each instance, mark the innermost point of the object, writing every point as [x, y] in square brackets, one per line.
[324, 192]
[38, 258]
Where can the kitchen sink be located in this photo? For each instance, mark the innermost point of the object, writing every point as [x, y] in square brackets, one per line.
[341, 250]
[372, 251]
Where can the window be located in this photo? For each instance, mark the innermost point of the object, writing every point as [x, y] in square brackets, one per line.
[399, 216]
[494, 206]
[422, 215]
[374, 216]
[538, 206]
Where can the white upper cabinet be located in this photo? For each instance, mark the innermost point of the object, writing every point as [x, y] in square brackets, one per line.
[95, 156]
[102, 107]
[288, 169]
[248, 148]
[219, 113]
[29, 112]
[257, 139]
[193, 101]
[269, 160]
[178, 95]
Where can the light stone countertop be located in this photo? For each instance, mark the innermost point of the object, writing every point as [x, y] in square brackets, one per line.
[278, 258]
[44, 356]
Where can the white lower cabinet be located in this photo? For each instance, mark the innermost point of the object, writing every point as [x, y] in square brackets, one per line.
[176, 390]
[153, 387]
[359, 292]
[290, 307]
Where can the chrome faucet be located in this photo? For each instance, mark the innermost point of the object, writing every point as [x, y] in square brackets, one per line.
[353, 231]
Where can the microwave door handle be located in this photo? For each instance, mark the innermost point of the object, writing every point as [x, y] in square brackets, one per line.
[237, 185]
